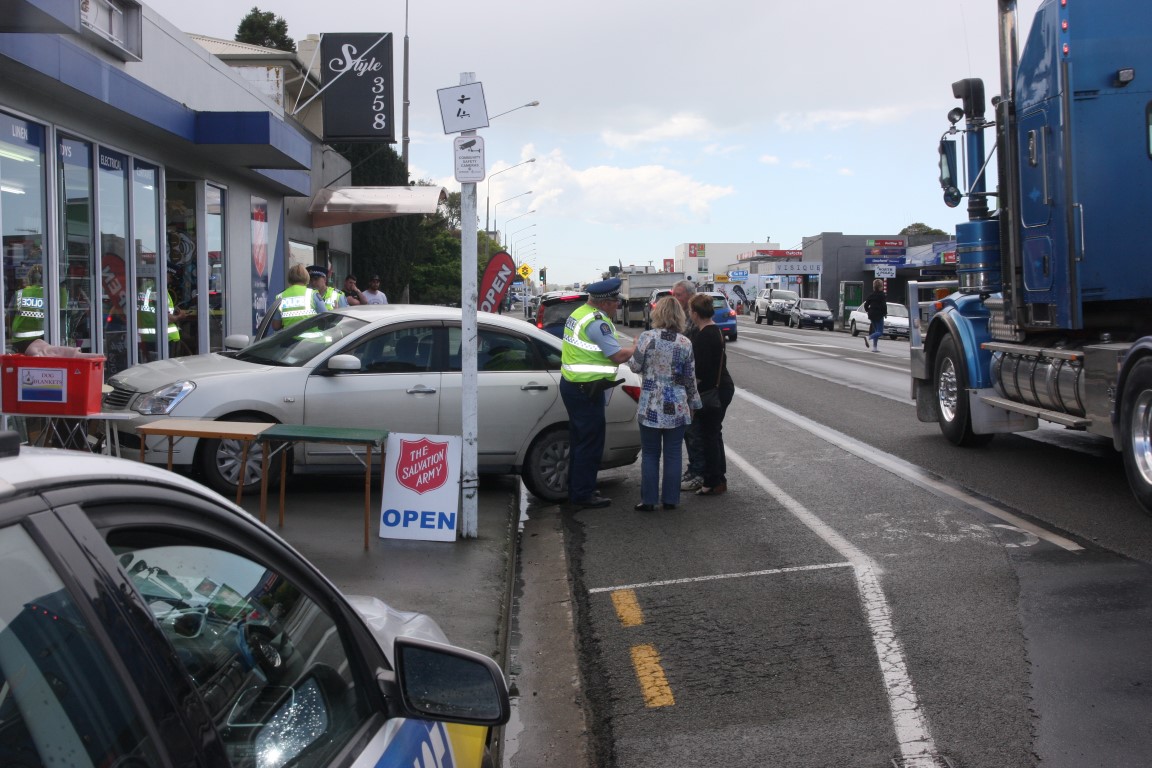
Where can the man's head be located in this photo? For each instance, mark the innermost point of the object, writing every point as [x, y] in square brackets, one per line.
[605, 295]
[318, 273]
[683, 291]
[350, 283]
[374, 283]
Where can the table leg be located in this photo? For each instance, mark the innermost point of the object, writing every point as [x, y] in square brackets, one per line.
[283, 478]
[171, 440]
[264, 484]
[367, 492]
[240, 472]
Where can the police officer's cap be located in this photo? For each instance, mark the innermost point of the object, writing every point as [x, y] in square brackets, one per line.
[318, 270]
[605, 289]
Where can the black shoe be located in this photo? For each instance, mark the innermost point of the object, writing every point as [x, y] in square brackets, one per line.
[596, 502]
[645, 507]
[669, 506]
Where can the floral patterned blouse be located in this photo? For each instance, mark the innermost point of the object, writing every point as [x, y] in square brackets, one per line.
[664, 360]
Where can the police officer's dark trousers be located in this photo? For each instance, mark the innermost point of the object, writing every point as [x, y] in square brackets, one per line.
[586, 425]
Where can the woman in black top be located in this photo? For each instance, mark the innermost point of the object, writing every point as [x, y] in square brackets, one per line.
[876, 307]
[711, 374]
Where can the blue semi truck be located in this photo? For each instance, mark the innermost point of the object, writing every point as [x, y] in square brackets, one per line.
[1051, 318]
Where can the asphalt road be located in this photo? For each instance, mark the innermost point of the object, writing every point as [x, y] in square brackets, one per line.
[865, 594]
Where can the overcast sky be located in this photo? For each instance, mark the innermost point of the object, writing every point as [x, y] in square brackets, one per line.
[727, 121]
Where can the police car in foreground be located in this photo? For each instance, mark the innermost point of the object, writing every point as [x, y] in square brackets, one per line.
[146, 621]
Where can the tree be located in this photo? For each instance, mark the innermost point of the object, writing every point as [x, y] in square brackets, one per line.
[265, 29]
[918, 228]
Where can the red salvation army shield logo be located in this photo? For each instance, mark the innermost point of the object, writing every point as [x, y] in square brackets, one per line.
[422, 465]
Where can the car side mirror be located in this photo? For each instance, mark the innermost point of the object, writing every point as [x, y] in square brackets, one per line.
[343, 363]
[236, 341]
[442, 682]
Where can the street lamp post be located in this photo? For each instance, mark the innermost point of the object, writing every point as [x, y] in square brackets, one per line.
[505, 201]
[529, 104]
[488, 193]
[509, 240]
[517, 217]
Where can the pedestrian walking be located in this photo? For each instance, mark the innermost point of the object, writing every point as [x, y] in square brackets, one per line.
[876, 307]
[693, 477]
[590, 356]
[663, 358]
[716, 392]
[374, 295]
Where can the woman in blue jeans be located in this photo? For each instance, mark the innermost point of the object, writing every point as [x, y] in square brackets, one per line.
[663, 358]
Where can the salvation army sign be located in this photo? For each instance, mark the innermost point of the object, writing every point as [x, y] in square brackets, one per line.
[421, 487]
[497, 278]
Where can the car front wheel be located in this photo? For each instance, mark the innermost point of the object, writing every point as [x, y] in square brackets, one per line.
[855, 330]
[223, 463]
[545, 470]
[759, 317]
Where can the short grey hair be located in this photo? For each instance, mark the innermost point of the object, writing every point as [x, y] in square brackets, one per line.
[688, 286]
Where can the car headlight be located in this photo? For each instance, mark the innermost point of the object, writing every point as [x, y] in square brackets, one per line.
[160, 402]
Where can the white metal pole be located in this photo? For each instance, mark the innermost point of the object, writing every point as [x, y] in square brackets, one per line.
[469, 480]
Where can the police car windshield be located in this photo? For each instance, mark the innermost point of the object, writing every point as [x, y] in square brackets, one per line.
[297, 344]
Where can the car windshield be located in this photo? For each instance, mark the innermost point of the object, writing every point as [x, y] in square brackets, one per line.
[719, 302]
[813, 304]
[297, 344]
[897, 310]
[785, 295]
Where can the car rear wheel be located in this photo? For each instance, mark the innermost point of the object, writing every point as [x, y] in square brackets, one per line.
[855, 330]
[545, 470]
[223, 465]
[732, 336]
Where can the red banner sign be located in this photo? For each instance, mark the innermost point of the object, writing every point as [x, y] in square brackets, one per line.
[422, 465]
[497, 277]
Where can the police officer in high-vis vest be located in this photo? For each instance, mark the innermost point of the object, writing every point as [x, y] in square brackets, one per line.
[333, 297]
[298, 301]
[28, 312]
[592, 351]
[146, 320]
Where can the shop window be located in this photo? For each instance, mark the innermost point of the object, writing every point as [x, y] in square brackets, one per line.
[145, 256]
[75, 258]
[113, 25]
[115, 302]
[22, 217]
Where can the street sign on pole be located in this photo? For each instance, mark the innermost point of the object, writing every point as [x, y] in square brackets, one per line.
[469, 158]
[525, 271]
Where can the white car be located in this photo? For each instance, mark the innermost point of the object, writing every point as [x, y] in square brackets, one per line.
[146, 621]
[395, 367]
[895, 324]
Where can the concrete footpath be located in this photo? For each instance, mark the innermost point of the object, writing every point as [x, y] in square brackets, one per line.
[474, 588]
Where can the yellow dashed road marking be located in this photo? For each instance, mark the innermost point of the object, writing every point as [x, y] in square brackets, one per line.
[653, 683]
[627, 608]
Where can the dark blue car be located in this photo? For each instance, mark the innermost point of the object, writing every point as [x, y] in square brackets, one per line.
[554, 309]
[725, 317]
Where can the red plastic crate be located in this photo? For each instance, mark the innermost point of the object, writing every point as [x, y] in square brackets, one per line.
[51, 386]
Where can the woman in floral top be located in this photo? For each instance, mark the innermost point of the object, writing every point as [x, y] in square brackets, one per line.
[663, 357]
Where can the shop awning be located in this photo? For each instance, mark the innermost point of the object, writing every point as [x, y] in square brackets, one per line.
[346, 205]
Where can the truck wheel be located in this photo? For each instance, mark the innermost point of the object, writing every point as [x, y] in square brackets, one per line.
[950, 383]
[545, 470]
[1136, 431]
[220, 462]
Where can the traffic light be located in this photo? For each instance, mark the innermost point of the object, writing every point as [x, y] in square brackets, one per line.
[543, 275]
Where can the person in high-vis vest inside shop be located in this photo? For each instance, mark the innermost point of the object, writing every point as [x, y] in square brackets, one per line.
[28, 312]
[298, 301]
[591, 353]
[332, 297]
[146, 319]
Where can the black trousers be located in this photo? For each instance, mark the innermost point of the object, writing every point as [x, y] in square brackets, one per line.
[711, 432]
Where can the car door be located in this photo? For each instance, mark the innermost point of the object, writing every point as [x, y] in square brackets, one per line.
[397, 388]
[517, 394]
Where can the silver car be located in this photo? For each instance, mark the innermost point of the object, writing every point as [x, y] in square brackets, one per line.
[396, 367]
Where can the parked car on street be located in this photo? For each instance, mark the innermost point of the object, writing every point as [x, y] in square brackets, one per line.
[146, 621]
[811, 313]
[555, 308]
[725, 317]
[655, 296]
[773, 304]
[895, 324]
[394, 367]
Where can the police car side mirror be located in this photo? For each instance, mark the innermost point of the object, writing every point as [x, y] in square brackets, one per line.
[435, 681]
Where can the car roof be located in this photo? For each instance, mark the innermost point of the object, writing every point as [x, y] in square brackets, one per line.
[562, 296]
[402, 312]
[27, 469]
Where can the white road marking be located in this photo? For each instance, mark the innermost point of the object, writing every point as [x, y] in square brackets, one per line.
[912, 733]
[906, 470]
[747, 574]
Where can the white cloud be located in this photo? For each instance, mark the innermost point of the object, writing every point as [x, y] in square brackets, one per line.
[682, 126]
[846, 172]
[835, 120]
[770, 160]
